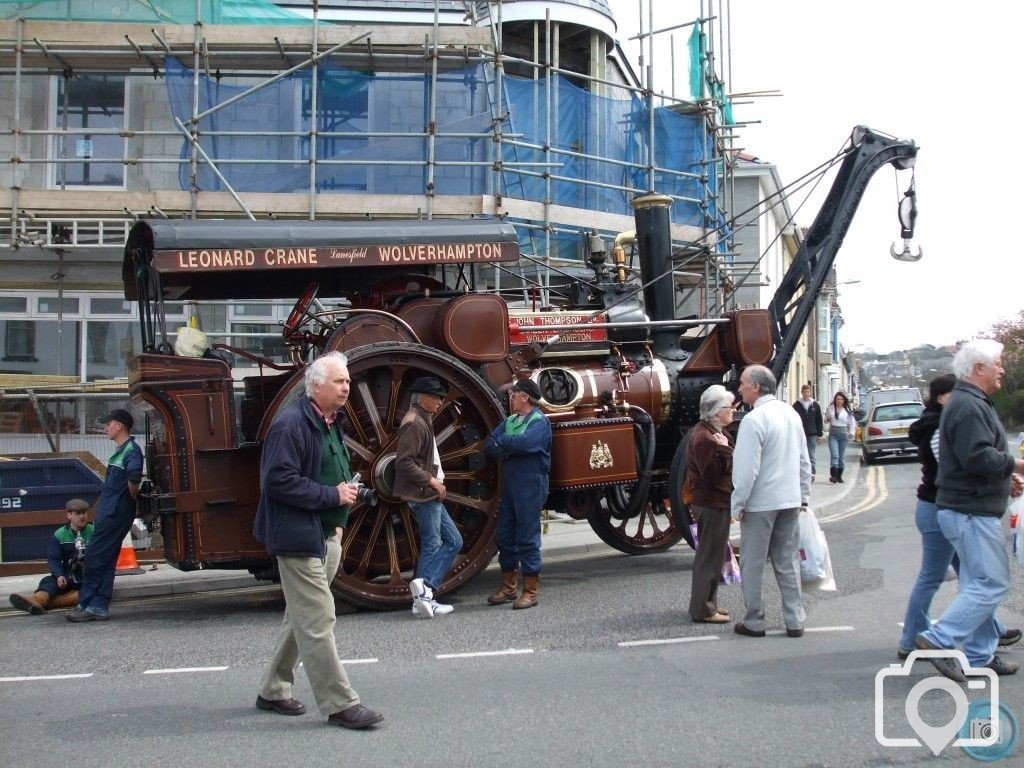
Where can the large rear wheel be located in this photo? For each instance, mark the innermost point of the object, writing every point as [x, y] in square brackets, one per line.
[381, 543]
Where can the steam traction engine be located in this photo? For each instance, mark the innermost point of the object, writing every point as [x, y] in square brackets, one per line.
[620, 385]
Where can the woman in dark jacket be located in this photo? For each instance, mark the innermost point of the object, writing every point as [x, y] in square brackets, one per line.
[937, 552]
[708, 490]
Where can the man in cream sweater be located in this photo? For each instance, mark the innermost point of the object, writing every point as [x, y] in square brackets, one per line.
[771, 478]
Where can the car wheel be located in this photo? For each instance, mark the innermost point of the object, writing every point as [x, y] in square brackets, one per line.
[867, 458]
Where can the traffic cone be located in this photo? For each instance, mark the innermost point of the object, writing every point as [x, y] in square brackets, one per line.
[126, 561]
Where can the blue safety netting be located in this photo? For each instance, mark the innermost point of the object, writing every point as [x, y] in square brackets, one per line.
[599, 158]
[163, 11]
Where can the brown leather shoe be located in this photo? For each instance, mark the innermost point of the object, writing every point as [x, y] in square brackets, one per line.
[355, 717]
[743, 629]
[716, 618]
[281, 706]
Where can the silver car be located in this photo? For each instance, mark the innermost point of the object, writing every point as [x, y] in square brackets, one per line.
[886, 428]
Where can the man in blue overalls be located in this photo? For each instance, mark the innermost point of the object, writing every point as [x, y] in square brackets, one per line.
[523, 444]
[115, 513]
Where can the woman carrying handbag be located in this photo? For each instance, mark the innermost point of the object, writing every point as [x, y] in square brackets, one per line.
[709, 484]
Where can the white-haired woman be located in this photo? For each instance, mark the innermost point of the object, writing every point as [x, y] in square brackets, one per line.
[709, 489]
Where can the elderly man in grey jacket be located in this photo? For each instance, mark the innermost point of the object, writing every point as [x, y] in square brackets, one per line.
[771, 478]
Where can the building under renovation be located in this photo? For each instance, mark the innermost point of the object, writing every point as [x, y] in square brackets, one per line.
[124, 109]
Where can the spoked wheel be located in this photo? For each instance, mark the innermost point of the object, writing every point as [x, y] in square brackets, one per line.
[381, 543]
[651, 529]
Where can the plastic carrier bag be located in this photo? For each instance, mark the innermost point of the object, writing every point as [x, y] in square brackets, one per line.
[1017, 528]
[812, 548]
[815, 559]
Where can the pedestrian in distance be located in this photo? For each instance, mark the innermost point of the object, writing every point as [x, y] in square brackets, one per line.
[708, 486]
[65, 558]
[842, 426]
[771, 478]
[810, 414]
[936, 552]
[115, 513]
[305, 491]
[523, 445]
[977, 474]
[419, 481]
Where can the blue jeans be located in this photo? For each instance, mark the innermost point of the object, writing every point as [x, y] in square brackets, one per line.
[440, 541]
[812, 446]
[970, 622]
[936, 555]
[837, 449]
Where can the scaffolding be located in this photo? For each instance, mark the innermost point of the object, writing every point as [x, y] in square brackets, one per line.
[507, 156]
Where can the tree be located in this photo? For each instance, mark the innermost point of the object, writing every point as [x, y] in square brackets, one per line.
[1009, 401]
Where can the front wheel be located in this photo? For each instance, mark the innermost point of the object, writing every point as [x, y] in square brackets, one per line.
[652, 529]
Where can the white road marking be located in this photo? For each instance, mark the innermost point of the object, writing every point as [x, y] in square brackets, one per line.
[183, 669]
[475, 654]
[359, 661]
[43, 677]
[667, 641]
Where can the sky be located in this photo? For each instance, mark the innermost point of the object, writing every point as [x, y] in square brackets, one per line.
[940, 74]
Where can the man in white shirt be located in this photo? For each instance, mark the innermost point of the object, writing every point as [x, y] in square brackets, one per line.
[771, 478]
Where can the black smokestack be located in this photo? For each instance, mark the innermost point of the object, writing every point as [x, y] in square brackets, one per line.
[654, 240]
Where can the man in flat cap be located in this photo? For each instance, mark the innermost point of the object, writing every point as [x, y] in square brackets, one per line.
[115, 513]
[523, 444]
[419, 481]
[64, 557]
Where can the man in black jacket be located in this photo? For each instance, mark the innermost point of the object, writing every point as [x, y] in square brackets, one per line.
[810, 414]
[303, 482]
[977, 475]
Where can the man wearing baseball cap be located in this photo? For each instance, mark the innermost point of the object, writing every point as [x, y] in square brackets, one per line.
[419, 481]
[64, 556]
[115, 513]
[523, 444]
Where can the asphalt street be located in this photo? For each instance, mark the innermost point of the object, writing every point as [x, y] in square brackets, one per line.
[607, 671]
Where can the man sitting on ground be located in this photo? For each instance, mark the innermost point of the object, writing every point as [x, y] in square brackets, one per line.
[65, 557]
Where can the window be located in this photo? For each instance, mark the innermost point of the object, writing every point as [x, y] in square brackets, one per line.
[110, 306]
[52, 305]
[19, 340]
[13, 304]
[84, 102]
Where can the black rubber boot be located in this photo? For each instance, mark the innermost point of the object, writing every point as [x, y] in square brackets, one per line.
[832, 474]
[839, 474]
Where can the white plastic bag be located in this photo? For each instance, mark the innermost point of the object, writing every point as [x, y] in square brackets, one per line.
[1017, 527]
[813, 550]
[827, 582]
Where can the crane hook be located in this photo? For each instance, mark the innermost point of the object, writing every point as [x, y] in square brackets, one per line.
[907, 213]
[906, 254]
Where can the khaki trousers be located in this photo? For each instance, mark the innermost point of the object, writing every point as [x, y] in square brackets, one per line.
[307, 633]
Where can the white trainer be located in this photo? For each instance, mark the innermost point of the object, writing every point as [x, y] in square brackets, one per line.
[436, 608]
[422, 599]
